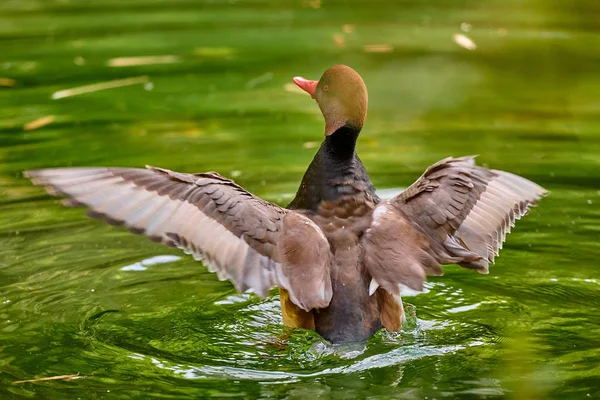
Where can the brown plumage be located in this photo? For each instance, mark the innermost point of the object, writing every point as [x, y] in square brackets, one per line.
[338, 253]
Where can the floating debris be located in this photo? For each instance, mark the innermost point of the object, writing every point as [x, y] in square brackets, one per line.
[26, 66]
[348, 28]
[38, 123]
[464, 42]
[310, 145]
[144, 60]
[465, 27]
[100, 86]
[214, 51]
[315, 4]
[7, 82]
[77, 43]
[79, 61]
[52, 378]
[339, 40]
[379, 48]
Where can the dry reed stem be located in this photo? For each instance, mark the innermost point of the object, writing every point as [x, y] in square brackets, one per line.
[52, 378]
[61, 94]
[145, 60]
[38, 123]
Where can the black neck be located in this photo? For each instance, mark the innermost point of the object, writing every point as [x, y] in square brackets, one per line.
[336, 171]
[340, 145]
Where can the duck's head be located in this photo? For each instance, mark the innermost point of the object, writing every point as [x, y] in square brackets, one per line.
[342, 97]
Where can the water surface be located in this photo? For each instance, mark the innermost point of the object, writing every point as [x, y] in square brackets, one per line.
[136, 320]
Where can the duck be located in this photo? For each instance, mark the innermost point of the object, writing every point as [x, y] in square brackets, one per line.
[338, 254]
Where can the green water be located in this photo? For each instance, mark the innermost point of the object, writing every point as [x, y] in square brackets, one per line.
[76, 297]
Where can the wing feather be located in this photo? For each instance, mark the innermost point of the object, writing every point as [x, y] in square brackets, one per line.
[238, 235]
[456, 212]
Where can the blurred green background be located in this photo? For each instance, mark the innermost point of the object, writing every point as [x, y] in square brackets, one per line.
[520, 88]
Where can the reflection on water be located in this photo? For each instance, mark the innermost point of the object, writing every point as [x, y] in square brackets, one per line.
[200, 86]
[394, 358]
[143, 265]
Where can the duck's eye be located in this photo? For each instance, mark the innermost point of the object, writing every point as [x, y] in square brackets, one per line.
[326, 88]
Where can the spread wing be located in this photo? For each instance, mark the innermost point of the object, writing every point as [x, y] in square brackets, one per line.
[455, 213]
[239, 236]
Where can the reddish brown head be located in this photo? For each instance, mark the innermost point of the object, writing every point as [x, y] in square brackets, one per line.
[342, 97]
